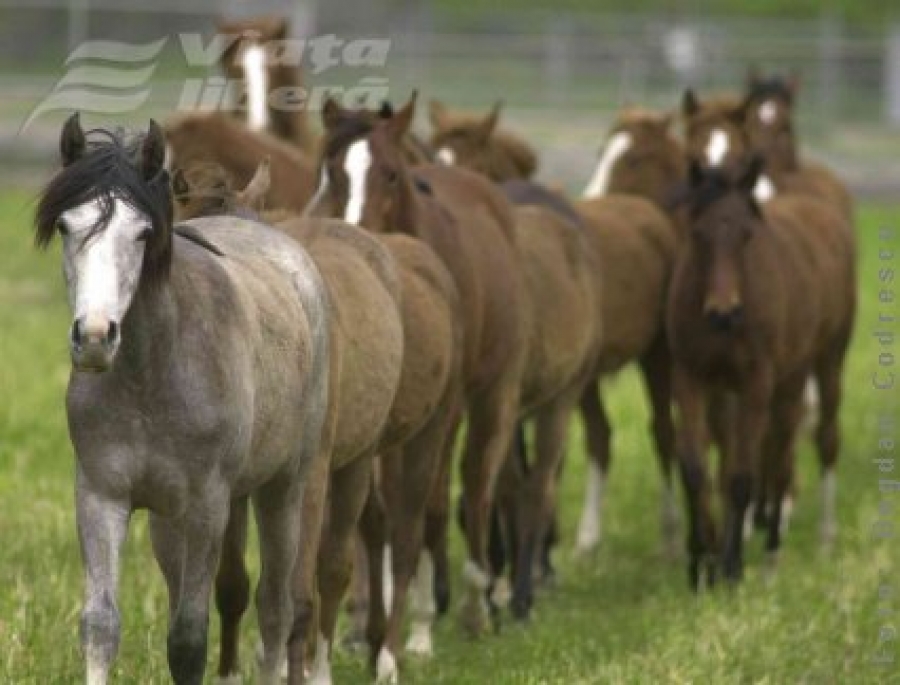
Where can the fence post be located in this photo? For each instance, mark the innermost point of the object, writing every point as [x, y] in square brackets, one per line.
[892, 76]
[78, 22]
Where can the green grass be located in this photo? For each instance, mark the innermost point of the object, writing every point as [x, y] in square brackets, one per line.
[622, 616]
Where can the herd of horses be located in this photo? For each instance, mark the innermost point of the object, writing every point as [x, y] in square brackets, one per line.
[303, 323]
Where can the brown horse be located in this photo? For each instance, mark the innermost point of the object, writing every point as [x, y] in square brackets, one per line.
[420, 421]
[470, 226]
[475, 142]
[634, 245]
[225, 141]
[761, 298]
[250, 59]
[768, 123]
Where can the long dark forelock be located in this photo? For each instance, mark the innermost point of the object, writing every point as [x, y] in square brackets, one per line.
[350, 129]
[768, 89]
[110, 170]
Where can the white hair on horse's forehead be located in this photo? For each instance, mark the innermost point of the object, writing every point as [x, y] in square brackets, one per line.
[253, 61]
[356, 163]
[764, 190]
[446, 155]
[615, 147]
[768, 112]
[717, 147]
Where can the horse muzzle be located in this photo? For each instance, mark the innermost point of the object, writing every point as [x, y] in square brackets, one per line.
[724, 319]
[93, 343]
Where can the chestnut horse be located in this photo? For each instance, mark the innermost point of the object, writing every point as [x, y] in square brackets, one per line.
[225, 141]
[768, 122]
[253, 48]
[470, 226]
[762, 297]
[420, 421]
[633, 244]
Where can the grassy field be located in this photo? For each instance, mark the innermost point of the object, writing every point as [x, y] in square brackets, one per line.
[622, 616]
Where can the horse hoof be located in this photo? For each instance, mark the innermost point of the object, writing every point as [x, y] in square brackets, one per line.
[419, 642]
[386, 668]
[521, 609]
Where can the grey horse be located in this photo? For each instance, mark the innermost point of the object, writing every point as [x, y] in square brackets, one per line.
[200, 379]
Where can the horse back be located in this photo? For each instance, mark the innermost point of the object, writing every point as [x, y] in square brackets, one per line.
[470, 225]
[634, 243]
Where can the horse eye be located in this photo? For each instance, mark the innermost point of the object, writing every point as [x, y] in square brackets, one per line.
[144, 234]
[391, 176]
[61, 227]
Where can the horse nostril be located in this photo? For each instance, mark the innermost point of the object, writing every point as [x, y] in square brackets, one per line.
[723, 321]
[77, 335]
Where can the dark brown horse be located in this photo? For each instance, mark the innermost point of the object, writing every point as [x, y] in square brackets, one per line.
[761, 298]
[470, 225]
[634, 245]
[271, 90]
[225, 141]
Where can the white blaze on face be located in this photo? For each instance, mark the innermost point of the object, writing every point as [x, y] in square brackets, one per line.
[716, 147]
[102, 271]
[356, 164]
[446, 155]
[764, 190]
[254, 62]
[768, 112]
[616, 147]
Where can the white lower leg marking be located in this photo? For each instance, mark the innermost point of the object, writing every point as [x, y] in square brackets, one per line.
[829, 501]
[787, 511]
[589, 526]
[387, 580]
[811, 404]
[749, 523]
[716, 147]
[253, 61]
[422, 607]
[617, 146]
[386, 667]
[356, 164]
[321, 668]
[96, 669]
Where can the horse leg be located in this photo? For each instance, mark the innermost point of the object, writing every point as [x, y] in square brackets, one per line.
[419, 464]
[537, 498]
[349, 491]
[102, 528]
[278, 508]
[828, 377]
[304, 637]
[232, 590]
[437, 518]
[358, 604]
[598, 434]
[752, 420]
[196, 541]
[492, 420]
[785, 420]
[656, 366]
[373, 528]
[693, 442]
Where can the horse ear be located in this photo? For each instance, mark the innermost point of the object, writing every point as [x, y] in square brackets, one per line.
[399, 124]
[386, 111]
[153, 151]
[753, 76]
[332, 113]
[690, 105]
[487, 126]
[72, 143]
[280, 28]
[254, 195]
[180, 185]
[437, 114]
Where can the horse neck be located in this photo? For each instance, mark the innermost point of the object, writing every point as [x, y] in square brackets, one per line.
[149, 331]
[286, 124]
[411, 208]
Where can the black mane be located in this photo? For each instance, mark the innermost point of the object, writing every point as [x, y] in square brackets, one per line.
[110, 170]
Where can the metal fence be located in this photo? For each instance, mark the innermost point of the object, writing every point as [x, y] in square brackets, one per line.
[558, 74]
